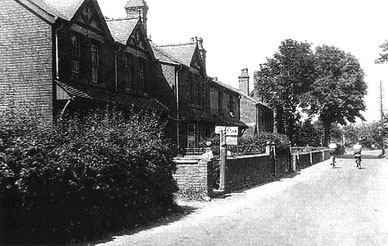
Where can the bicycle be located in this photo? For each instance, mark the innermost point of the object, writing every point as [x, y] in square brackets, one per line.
[358, 156]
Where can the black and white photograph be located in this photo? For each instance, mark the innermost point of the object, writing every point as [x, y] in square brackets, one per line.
[193, 122]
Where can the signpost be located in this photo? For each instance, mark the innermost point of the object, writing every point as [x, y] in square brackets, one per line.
[228, 136]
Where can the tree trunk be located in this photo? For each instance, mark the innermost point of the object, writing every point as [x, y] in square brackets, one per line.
[327, 127]
[280, 119]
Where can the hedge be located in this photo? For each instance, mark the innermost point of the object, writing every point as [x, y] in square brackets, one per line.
[85, 175]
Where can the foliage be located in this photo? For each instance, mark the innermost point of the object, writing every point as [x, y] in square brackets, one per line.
[383, 56]
[250, 145]
[370, 135]
[283, 79]
[307, 134]
[338, 91]
[84, 175]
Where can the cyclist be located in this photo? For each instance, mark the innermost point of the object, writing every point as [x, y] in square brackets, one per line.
[357, 153]
[333, 149]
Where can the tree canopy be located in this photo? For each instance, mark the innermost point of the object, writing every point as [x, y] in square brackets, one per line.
[283, 79]
[338, 90]
[328, 83]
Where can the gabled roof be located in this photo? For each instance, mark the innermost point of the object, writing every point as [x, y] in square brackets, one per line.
[182, 52]
[65, 8]
[42, 9]
[164, 56]
[253, 100]
[121, 29]
[105, 96]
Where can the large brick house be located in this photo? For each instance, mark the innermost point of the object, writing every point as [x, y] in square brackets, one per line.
[196, 113]
[253, 112]
[65, 55]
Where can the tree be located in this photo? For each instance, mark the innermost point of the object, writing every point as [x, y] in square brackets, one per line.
[338, 91]
[383, 57]
[307, 134]
[283, 79]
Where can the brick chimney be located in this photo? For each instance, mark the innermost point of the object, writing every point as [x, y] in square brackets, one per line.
[243, 81]
[202, 51]
[137, 9]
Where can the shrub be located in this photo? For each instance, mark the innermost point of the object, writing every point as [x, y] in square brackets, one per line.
[103, 170]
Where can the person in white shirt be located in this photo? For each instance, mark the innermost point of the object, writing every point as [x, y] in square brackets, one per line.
[333, 148]
[357, 153]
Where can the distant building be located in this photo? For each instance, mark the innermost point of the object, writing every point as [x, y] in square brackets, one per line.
[253, 112]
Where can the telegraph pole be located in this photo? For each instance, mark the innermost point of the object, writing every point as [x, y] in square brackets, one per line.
[381, 102]
[382, 119]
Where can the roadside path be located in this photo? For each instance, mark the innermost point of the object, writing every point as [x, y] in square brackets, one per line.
[319, 206]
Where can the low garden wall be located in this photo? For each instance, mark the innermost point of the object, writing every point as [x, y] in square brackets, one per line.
[245, 171]
[306, 159]
[282, 165]
[194, 175]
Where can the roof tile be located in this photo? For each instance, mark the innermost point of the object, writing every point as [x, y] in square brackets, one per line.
[121, 29]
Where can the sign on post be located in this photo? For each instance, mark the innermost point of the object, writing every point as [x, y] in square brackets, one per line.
[231, 131]
[219, 129]
[231, 140]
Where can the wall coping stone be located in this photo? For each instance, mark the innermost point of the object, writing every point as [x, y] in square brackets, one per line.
[247, 156]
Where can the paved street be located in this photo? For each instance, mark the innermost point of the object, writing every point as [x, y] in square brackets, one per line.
[318, 206]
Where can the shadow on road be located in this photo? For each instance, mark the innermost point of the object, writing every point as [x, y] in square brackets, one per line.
[223, 195]
[178, 214]
[350, 156]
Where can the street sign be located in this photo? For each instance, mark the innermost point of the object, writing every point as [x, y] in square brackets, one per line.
[219, 129]
[231, 140]
[231, 131]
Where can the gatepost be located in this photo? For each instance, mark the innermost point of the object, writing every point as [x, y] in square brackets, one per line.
[228, 136]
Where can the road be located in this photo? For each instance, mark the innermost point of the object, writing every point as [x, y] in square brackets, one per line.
[321, 205]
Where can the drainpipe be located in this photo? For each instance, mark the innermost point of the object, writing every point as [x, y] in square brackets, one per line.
[57, 51]
[55, 65]
[116, 68]
[177, 106]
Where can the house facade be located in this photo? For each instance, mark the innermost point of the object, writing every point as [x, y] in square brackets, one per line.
[253, 112]
[197, 112]
[65, 55]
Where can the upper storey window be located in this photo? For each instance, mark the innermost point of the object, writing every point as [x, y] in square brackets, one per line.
[95, 62]
[75, 55]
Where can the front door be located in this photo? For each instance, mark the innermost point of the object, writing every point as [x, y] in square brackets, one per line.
[191, 136]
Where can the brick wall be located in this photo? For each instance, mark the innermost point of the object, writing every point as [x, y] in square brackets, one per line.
[194, 175]
[25, 58]
[245, 171]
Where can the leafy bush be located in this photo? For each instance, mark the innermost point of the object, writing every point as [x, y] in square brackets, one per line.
[84, 175]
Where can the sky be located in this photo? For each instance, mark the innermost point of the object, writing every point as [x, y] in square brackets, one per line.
[242, 34]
